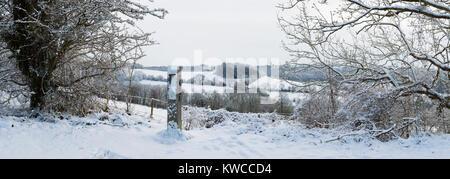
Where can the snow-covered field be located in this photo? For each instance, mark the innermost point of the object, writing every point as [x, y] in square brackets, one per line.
[123, 136]
[186, 75]
[267, 84]
[153, 83]
[154, 73]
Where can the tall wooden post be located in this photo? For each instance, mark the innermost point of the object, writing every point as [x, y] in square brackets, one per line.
[174, 95]
[153, 105]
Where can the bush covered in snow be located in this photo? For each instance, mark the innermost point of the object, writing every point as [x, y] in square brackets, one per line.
[379, 115]
[194, 117]
[239, 102]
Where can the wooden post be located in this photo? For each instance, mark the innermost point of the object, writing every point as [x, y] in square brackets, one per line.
[174, 93]
[153, 105]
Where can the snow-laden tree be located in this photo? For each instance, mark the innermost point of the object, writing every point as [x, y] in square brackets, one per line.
[64, 48]
[400, 47]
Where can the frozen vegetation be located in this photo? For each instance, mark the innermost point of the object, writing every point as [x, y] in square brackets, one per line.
[366, 80]
[212, 134]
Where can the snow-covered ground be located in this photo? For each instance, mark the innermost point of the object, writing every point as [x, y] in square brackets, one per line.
[190, 88]
[153, 83]
[245, 136]
[186, 75]
[153, 73]
[193, 88]
[269, 83]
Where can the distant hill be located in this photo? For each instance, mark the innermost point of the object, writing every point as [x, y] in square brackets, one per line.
[304, 76]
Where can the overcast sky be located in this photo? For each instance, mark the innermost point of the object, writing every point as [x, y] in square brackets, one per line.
[220, 28]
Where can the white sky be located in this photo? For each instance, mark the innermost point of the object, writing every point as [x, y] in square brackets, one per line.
[220, 28]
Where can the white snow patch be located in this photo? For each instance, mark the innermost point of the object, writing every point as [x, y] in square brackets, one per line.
[237, 136]
[269, 83]
[153, 83]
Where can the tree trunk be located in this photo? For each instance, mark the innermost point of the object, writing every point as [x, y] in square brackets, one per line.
[37, 100]
[34, 53]
[39, 87]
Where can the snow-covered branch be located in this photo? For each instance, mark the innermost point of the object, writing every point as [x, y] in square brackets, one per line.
[381, 44]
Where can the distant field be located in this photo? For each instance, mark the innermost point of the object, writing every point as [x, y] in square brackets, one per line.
[271, 85]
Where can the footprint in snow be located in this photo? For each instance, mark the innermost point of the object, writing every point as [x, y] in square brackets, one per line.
[107, 154]
[170, 137]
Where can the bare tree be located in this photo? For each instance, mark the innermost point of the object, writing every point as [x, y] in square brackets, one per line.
[137, 55]
[62, 48]
[398, 46]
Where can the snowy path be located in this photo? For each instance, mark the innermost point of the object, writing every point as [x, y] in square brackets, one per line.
[260, 139]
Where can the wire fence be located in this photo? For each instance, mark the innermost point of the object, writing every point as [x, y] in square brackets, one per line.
[152, 101]
[157, 102]
[140, 97]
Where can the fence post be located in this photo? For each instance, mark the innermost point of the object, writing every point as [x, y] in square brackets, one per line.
[153, 105]
[174, 93]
